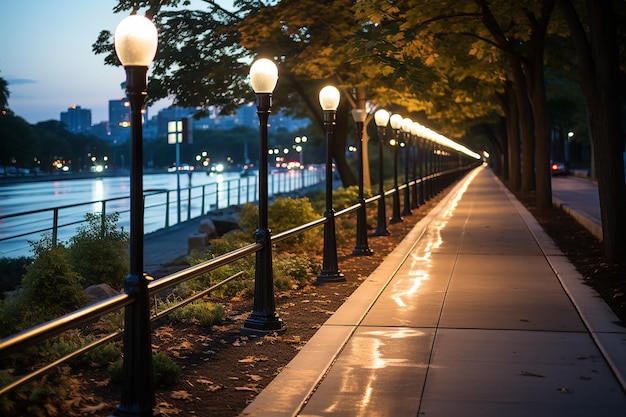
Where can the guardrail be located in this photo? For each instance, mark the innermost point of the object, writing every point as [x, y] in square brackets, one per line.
[160, 205]
[428, 185]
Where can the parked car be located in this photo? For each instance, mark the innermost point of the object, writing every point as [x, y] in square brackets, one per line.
[558, 168]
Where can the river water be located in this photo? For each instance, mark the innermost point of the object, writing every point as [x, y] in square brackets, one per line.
[162, 207]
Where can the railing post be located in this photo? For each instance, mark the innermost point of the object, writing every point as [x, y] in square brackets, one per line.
[202, 203]
[167, 209]
[239, 191]
[217, 196]
[55, 226]
[188, 203]
[102, 219]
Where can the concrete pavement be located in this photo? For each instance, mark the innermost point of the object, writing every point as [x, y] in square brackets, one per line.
[475, 313]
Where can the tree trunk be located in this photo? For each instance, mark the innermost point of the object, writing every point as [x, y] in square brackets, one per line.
[599, 77]
[526, 126]
[339, 145]
[509, 105]
[537, 97]
[361, 98]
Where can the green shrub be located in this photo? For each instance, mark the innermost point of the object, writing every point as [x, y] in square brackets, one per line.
[11, 271]
[99, 250]
[225, 244]
[292, 270]
[200, 312]
[164, 370]
[50, 287]
[288, 213]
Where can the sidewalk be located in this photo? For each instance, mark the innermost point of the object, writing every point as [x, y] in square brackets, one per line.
[475, 313]
[579, 198]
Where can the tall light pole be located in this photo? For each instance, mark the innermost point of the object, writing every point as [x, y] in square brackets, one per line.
[396, 124]
[381, 117]
[329, 100]
[136, 41]
[361, 247]
[406, 135]
[263, 319]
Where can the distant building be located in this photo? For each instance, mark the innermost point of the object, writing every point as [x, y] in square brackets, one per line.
[101, 130]
[77, 119]
[170, 114]
[119, 119]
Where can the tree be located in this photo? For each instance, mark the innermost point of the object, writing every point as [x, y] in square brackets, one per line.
[4, 94]
[599, 73]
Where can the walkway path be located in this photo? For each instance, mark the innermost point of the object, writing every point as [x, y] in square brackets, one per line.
[475, 313]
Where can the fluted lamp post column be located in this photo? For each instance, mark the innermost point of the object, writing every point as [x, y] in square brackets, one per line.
[396, 124]
[329, 100]
[381, 117]
[362, 247]
[406, 135]
[136, 41]
[263, 319]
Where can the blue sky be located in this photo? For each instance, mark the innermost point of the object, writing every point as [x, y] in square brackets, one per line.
[45, 55]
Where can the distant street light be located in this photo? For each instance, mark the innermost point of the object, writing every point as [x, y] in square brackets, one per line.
[329, 101]
[361, 247]
[396, 125]
[381, 117]
[263, 319]
[136, 44]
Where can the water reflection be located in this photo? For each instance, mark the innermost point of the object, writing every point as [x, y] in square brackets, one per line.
[420, 258]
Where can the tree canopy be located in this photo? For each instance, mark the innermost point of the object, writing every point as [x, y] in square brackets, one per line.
[461, 67]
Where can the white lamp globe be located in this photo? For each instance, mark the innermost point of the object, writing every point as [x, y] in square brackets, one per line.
[136, 40]
[381, 117]
[263, 75]
[396, 121]
[329, 98]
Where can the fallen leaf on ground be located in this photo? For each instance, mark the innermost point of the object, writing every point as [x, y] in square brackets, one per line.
[181, 395]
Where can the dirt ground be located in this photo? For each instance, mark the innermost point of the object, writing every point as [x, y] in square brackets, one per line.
[223, 371]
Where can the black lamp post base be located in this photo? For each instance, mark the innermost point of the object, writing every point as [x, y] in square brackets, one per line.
[362, 251]
[330, 276]
[381, 232]
[259, 325]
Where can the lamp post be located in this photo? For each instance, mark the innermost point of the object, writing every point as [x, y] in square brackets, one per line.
[396, 124]
[414, 142]
[136, 41]
[263, 319]
[329, 100]
[381, 117]
[406, 134]
[361, 247]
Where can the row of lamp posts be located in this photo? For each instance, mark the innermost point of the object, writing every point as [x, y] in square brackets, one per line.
[135, 45]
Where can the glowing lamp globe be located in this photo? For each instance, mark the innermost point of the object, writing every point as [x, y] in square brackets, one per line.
[136, 41]
[263, 76]
[329, 98]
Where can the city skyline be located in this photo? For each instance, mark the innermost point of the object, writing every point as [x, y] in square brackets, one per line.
[46, 57]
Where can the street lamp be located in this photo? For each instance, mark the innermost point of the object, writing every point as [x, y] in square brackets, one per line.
[263, 319]
[361, 247]
[406, 133]
[329, 100]
[136, 41]
[396, 124]
[381, 117]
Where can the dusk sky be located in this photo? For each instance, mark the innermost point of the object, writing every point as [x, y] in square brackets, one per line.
[46, 57]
